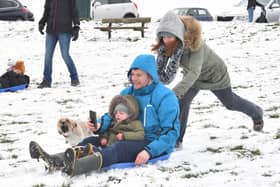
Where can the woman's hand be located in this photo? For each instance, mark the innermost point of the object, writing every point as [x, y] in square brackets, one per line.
[142, 157]
[93, 127]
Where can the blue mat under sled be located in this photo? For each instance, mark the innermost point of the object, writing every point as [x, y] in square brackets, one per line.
[14, 88]
[132, 164]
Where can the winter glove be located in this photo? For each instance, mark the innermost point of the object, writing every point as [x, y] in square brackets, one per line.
[41, 28]
[75, 33]
[103, 142]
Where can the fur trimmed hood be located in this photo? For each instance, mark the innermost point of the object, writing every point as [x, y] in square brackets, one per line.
[186, 28]
[128, 101]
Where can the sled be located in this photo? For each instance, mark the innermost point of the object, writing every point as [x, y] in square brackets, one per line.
[124, 165]
[14, 88]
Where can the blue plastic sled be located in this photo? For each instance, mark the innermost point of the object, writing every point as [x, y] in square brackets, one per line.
[14, 88]
[132, 164]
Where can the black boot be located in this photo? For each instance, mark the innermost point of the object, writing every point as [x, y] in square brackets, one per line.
[54, 162]
[258, 125]
[44, 84]
[74, 166]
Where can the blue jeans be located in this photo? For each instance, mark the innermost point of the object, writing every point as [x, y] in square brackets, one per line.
[250, 13]
[229, 99]
[64, 43]
[120, 151]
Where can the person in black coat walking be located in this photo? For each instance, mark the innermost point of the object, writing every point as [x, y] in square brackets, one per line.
[62, 19]
[251, 8]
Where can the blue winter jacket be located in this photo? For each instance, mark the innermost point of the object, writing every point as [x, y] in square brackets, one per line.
[159, 109]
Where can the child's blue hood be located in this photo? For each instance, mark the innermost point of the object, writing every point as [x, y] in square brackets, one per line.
[146, 63]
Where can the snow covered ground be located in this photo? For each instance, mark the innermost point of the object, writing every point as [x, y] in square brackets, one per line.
[220, 148]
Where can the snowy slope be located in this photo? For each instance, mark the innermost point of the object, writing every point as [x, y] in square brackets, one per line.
[220, 148]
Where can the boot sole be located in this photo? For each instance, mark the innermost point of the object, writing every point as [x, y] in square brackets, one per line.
[70, 161]
[33, 150]
[37, 152]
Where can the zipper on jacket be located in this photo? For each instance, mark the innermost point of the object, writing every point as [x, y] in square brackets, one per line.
[145, 113]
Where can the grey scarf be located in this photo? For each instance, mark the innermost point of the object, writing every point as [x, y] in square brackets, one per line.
[167, 66]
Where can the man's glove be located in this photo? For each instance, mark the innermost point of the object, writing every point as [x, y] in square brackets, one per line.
[41, 28]
[75, 33]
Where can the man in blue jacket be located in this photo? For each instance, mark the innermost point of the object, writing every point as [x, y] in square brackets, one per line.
[159, 113]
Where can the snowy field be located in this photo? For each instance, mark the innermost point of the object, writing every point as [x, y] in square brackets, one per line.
[220, 148]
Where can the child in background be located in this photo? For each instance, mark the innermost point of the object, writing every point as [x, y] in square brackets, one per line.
[14, 76]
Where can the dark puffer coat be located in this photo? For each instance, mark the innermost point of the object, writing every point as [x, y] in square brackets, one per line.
[60, 16]
[11, 78]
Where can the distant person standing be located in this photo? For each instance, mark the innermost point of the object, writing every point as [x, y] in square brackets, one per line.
[251, 8]
[62, 19]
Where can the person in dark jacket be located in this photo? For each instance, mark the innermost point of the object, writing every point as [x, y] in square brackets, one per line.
[180, 44]
[14, 76]
[251, 8]
[62, 19]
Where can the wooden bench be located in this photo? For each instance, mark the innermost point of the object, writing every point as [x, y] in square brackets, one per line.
[125, 21]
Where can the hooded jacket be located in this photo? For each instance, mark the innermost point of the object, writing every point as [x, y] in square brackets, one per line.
[202, 67]
[159, 109]
[60, 16]
[11, 78]
[131, 129]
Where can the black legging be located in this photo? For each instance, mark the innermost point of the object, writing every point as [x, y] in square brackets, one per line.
[229, 99]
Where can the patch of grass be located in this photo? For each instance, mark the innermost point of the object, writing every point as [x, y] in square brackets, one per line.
[243, 87]
[242, 127]
[7, 141]
[213, 137]
[219, 163]
[277, 134]
[38, 185]
[190, 175]
[234, 173]
[14, 156]
[214, 150]
[19, 122]
[66, 101]
[244, 152]
[65, 185]
[274, 115]
[274, 108]
[267, 175]
[174, 169]
[210, 126]
[197, 175]
[243, 137]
